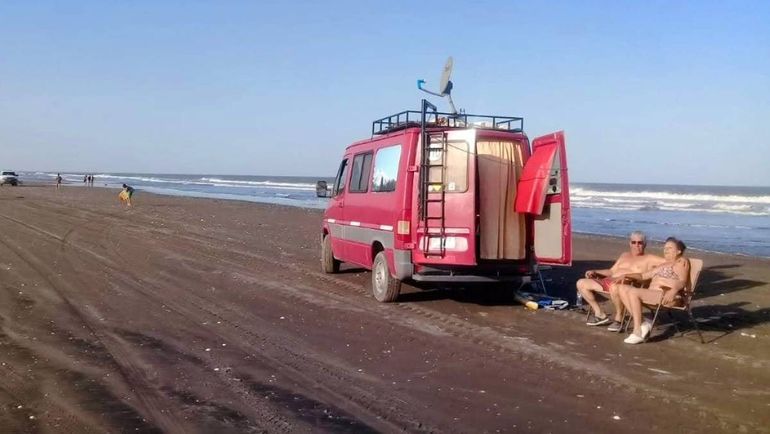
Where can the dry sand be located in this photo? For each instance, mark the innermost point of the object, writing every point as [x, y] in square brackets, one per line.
[188, 315]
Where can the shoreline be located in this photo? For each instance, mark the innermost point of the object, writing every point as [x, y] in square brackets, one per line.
[660, 242]
[287, 203]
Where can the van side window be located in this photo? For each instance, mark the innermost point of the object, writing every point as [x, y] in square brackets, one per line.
[362, 167]
[342, 173]
[386, 168]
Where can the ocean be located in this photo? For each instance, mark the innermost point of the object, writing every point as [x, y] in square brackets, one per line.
[713, 218]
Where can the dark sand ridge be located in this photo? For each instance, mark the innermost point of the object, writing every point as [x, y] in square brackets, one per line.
[191, 315]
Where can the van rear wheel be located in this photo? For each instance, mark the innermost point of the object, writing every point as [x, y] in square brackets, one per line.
[384, 287]
[328, 263]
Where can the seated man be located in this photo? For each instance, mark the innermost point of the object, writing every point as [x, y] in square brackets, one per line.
[602, 281]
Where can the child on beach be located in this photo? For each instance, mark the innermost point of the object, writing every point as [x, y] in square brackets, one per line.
[58, 181]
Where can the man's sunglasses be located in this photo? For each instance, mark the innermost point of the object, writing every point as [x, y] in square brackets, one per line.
[637, 242]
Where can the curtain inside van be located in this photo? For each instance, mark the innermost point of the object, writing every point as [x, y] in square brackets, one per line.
[502, 232]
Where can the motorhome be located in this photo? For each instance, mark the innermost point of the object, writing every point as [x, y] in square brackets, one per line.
[448, 197]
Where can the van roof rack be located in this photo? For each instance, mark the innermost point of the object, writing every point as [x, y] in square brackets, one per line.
[412, 118]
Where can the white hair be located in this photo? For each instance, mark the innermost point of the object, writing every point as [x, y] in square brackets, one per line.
[639, 234]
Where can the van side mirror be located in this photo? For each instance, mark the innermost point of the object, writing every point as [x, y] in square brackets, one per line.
[321, 189]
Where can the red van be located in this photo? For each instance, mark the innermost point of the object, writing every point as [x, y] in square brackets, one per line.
[441, 197]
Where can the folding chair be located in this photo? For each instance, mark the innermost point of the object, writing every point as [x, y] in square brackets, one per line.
[696, 265]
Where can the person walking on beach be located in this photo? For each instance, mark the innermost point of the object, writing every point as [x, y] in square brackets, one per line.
[91, 180]
[127, 193]
[85, 179]
[603, 281]
[58, 181]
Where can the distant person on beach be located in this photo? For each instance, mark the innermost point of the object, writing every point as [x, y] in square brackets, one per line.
[126, 194]
[668, 280]
[58, 181]
[85, 179]
[603, 281]
[91, 180]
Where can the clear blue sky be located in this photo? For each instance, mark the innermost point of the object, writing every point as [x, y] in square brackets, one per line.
[660, 92]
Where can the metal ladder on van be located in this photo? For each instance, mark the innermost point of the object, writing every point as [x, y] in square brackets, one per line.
[433, 192]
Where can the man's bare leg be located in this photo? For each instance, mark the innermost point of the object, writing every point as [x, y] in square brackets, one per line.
[617, 302]
[622, 291]
[586, 287]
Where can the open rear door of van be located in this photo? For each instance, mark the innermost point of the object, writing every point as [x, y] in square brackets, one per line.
[543, 191]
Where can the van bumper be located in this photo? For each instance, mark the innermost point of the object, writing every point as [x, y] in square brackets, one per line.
[470, 278]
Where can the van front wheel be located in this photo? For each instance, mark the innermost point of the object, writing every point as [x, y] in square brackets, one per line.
[328, 263]
[384, 287]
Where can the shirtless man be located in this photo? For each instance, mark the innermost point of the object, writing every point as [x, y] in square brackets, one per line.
[603, 281]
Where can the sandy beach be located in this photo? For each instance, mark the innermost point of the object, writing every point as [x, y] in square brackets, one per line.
[196, 315]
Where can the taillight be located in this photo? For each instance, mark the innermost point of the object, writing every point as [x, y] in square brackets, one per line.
[403, 227]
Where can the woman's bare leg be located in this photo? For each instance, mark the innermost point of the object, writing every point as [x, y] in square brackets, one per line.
[635, 307]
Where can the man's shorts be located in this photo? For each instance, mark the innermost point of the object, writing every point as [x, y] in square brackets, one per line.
[605, 283]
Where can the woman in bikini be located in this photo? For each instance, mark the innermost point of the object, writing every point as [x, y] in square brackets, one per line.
[667, 281]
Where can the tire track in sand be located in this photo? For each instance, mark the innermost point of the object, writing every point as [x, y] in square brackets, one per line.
[292, 361]
[461, 329]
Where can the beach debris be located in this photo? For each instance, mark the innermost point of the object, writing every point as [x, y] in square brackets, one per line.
[208, 349]
[283, 317]
[616, 417]
[748, 335]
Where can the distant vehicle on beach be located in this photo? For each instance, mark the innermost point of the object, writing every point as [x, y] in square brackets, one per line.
[448, 197]
[7, 177]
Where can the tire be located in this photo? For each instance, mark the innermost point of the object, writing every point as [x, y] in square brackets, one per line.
[384, 287]
[329, 265]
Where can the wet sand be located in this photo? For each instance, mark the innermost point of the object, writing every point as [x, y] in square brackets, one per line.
[195, 315]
